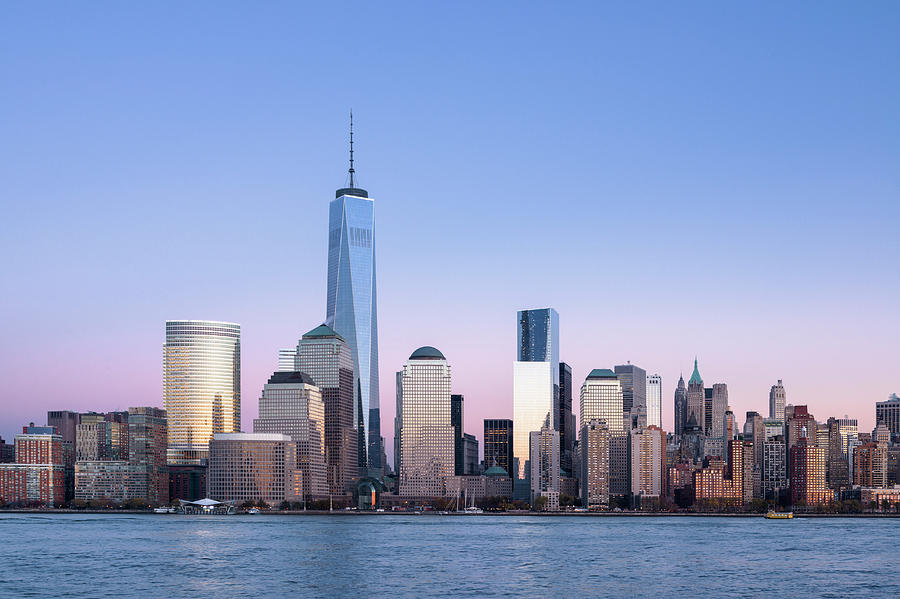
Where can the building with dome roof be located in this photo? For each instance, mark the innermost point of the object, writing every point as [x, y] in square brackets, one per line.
[424, 425]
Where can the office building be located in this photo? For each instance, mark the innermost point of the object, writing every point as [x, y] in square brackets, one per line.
[426, 430]
[594, 447]
[470, 454]
[287, 359]
[718, 406]
[654, 400]
[634, 386]
[680, 407]
[567, 430]
[888, 413]
[696, 399]
[254, 466]
[65, 422]
[777, 398]
[352, 307]
[456, 420]
[7, 452]
[498, 444]
[774, 468]
[201, 386]
[291, 404]
[535, 378]
[326, 357]
[544, 464]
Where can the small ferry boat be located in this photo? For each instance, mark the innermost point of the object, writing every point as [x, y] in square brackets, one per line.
[253, 510]
[164, 510]
[773, 515]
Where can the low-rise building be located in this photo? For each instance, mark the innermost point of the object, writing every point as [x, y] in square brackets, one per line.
[254, 466]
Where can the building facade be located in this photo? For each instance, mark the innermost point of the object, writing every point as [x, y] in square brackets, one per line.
[594, 446]
[535, 379]
[777, 397]
[498, 444]
[352, 306]
[201, 385]
[654, 400]
[291, 404]
[647, 464]
[326, 357]
[681, 417]
[544, 463]
[426, 430]
[38, 474]
[696, 399]
[567, 429]
[254, 466]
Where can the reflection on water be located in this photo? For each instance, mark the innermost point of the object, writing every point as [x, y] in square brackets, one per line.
[127, 556]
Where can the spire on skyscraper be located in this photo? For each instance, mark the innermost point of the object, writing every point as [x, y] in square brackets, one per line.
[351, 149]
[695, 376]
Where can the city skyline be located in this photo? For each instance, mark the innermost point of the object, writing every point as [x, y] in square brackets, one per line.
[137, 266]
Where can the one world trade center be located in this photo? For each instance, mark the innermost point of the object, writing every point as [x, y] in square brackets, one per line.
[351, 307]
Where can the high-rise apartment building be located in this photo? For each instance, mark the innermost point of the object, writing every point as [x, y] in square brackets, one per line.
[777, 398]
[654, 400]
[870, 465]
[696, 398]
[201, 385]
[535, 379]
[774, 467]
[647, 464]
[65, 422]
[601, 399]
[498, 444]
[544, 462]
[807, 472]
[634, 386]
[352, 307]
[38, 474]
[426, 430]
[148, 437]
[291, 404]
[594, 447]
[253, 466]
[567, 431]
[755, 432]
[799, 424]
[326, 357]
[680, 412]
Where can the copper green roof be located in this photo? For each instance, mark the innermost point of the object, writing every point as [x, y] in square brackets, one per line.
[321, 332]
[602, 373]
[427, 353]
[695, 377]
[496, 471]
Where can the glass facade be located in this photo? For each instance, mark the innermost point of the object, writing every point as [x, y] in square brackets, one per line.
[498, 444]
[201, 385]
[634, 386]
[535, 380]
[351, 308]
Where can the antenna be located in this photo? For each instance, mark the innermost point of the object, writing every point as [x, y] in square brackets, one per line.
[351, 148]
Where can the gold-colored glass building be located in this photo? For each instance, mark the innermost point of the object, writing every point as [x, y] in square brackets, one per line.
[201, 386]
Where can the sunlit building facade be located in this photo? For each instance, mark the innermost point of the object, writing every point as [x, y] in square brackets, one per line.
[327, 358]
[654, 400]
[351, 308]
[544, 463]
[594, 447]
[253, 466]
[291, 404]
[426, 430]
[201, 386]
[777, 397]
[535, 379]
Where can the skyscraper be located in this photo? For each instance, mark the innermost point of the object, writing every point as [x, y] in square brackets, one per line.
[544, 463]
[594, 447]
[566, 418]
[147, 444]
[535, 379]
[681, 416]
[459, 448]
[654, 400]
[351, 303]
[498, 444]
[719, 406]
[201, 385]
[696, 398]
[601, 399]
[291, 404]
[426, 430]
[647, 463]
[634, 386]
[776, 401]
[888, 413]
[326, 357]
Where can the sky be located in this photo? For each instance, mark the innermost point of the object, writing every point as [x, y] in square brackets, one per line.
[676, 179]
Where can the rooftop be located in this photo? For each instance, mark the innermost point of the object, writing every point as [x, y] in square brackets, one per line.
[322, 331]
[602, 373]
[286, 377]
[426, 352]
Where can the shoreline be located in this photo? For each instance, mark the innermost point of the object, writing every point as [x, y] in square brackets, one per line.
[351, 513]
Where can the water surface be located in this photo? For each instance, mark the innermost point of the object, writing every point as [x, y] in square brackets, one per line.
[137, 556]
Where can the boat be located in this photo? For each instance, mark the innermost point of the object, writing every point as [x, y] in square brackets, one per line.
[773, 515]
[164, 510]
[253, 510]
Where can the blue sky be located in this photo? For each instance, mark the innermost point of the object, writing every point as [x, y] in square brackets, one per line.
[675, 179]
